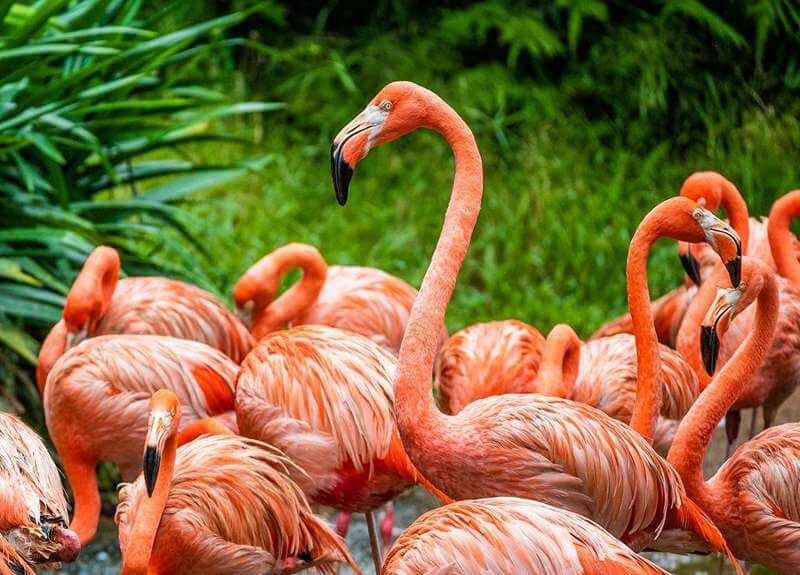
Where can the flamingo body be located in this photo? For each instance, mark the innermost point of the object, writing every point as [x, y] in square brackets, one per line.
[96, 403]
[324, 397]
[509, 535]
[33, 509]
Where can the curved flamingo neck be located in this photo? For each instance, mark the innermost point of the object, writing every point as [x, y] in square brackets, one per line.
[688, 341]
[736, 209]
[716, 190]
[671, 218]
[418, 418]
[91, 292]
[268, 317]
[53, 347]
[781, 240]
[560, 361]
[148, 516]
[697, 427]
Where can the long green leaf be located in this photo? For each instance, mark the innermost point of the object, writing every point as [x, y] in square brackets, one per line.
[20, 342]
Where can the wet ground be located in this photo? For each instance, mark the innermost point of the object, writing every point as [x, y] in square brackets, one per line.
[102, 557]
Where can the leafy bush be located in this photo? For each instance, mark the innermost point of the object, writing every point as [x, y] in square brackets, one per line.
[95, 108]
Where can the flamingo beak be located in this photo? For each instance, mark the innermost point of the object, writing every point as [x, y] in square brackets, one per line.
[158, 429]
[75, 337]
[691, 265]
[350, 145]
[717, 320]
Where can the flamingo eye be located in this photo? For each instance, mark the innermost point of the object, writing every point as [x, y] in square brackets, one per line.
[386, 105]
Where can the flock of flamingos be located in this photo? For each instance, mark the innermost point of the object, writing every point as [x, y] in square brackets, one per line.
[550, 455]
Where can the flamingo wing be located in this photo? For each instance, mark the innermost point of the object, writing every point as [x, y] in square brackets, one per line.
[509, 535]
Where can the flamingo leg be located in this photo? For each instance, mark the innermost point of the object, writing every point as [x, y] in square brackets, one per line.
[753, 422]
[82, 477]
[373, 541]
[387, 526]
[343, 524]
[770, 411]
[733, 421]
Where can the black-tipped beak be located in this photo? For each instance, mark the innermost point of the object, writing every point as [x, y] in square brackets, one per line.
[341, 172]
[691, 266]
[734, 268]
[152, 463]
[709, 347]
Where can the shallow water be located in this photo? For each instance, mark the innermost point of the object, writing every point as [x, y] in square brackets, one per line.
[102, 557]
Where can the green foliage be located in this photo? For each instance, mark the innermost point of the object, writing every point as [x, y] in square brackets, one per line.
[95, 105]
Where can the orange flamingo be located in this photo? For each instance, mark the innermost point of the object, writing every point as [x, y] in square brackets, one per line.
[549, 449]
[358, 299]
[712, 191]
[221, 504]
[96, 397]
[324, 397]
[487, 359]
[753, 498]
[510, 535]
[33, 510]
[99, 303]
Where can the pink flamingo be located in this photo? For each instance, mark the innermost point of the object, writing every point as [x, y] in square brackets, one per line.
[96, 397]
[324, 397]
[358, 299]
[33, 510]
[99, 303]
[549, 449]
[487, 359]
[220, 505]
[753, 498]
[510, 535]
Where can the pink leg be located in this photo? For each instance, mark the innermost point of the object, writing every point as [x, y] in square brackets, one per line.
[387, 525]
[343, 524]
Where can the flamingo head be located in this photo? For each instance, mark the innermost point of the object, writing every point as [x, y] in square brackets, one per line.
[162, 424]
[396, 110]
[90, 294]
[689, 262]
[705, 188]
[256, 289]
[724, 240]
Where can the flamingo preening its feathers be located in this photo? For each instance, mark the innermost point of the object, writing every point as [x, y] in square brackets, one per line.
[219, 505]
[549, 449]
[96, 401]
[33, 509]
[99, 303]
[362, 300]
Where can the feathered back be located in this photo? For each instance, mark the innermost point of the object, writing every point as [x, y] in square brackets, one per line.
[202, 377]
[162, 306]
[338, 382]
[28, 469]
[238, 489]
[509, 535]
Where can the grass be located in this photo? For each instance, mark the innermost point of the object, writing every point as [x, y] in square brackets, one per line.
[558, 212]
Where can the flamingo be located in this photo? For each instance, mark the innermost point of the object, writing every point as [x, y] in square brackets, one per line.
[99, 303]
[324, 397]
[487, 359]
[96, 397]
[358, 299]
[753, 498]
[33, 509]
[549, 449]
[510, 535]
[711, 190]
[220, 504]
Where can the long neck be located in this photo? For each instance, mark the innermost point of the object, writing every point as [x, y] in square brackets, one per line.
[671, 218]
[297, 298]
[148, 516]
[560, 361]
[781, 240]
[697, 427]
[419, 420]
[688, 340]
[738, 215]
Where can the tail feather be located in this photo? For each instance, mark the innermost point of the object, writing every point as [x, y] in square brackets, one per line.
[692, 518]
